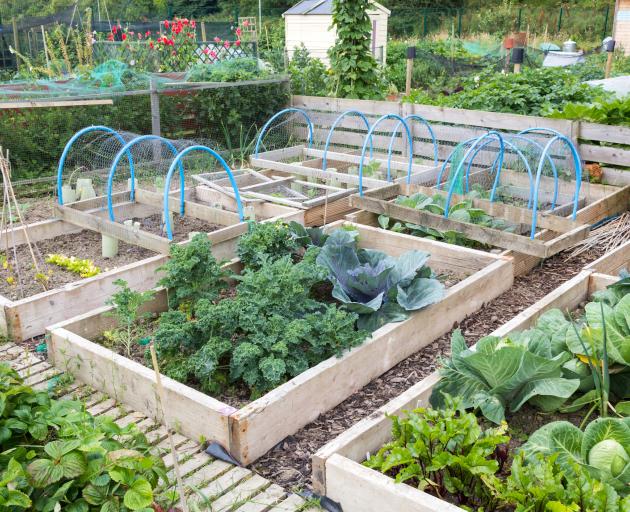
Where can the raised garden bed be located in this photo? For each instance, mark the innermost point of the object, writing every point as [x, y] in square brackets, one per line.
[596, 202]
[252, 430]
[338, 471]
[77, 232]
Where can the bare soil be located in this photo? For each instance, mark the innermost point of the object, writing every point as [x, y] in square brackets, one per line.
[84, 245]
[181, 226]
[289, 463]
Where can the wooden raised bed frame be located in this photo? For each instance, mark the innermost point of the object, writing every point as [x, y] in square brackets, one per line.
[337, 469]
[24, 318]
[251, 431]
[310, 169]
[596, 202]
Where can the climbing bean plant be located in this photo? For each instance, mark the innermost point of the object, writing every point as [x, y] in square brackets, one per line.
[354, 72]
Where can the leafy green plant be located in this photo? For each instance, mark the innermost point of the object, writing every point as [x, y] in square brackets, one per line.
[233, 70]
[543, 486]
[270, 331]
[126, 309]
[462, 211]
[613, 111]
[265, 241]
[58, 456]
[378, 287]
[603, 449]
[444, 451]
[192, 273]
[85, 268]
[353, 70]
[502, 374]
[308, 75]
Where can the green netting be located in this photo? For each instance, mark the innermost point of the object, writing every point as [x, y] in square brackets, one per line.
[484, 48]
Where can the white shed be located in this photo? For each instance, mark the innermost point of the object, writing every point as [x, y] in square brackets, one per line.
[310, 22]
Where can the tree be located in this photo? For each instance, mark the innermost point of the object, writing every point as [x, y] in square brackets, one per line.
[354, 72]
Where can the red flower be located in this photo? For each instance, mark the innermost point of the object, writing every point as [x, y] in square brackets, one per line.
[246, 23]
[114, 29]
[226, 45]
[237, 42]
[151, 45]
[238, 31]
[147, 33]
[173, 53]
[206, 51]
[166, 24]
[193, 23]
[213, 54]
[139, 35]
[110, 37]
[185, 22]
[124, 37]
[217, 39]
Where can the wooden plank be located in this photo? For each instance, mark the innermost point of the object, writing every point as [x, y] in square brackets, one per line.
[263, 501]
[361, 489]
[241, 494]
[134, 385]
[10, 105]
[613, 262]
[293, 503]
[221, 485]
[327, 212]
[605, 154]
[122, 232]
[604, 133]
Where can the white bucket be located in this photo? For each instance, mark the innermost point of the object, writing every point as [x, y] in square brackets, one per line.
[85, 189]
[68, 194]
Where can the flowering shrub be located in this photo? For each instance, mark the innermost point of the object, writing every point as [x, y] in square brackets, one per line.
[175, 49]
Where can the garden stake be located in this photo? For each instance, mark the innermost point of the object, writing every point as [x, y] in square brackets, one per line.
[158, 382]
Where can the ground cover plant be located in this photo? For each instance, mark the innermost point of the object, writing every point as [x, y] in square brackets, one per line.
[303, 296]
[469, 450]
[56, 456]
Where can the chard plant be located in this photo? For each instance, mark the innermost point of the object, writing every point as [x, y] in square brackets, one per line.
[85, 268]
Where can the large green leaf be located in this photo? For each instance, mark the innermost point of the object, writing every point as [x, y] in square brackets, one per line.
[542, 440]
[420, 293]
[44, 472]
[602, 429]
[549, 393]
[139, 495]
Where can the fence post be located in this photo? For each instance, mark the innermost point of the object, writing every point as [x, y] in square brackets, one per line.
[16, 42]
[518, 22]
[606, 21]
[155, 108]
[424, 24]
[560, 19]
[459, 22]
[203, 31]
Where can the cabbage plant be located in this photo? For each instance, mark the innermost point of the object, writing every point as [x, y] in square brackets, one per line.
[380, 288]
[603, 448]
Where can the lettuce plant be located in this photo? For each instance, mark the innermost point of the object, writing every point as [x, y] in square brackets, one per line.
[603, 448]
[380, 288]
[502, 374]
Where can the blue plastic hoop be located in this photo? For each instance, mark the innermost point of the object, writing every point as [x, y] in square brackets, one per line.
[127, 149]
[268, 123]
[395, 131]
[368, 137]
[334, 125]
[167, 185]
[70, 143]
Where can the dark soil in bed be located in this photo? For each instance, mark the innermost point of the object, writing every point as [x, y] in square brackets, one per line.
[83, 245]
[289, 463]
[180, 226]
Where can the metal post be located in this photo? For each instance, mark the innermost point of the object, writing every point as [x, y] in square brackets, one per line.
[16, 42]
[520, 16]
[411, 54]
[155, 118]
[606, 21]
[459, 22]
[424, 23]
[560, 19]
[45, 46]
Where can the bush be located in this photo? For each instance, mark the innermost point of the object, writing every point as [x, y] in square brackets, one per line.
[308, 74]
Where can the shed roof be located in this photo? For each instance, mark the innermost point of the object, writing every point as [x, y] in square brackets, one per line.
[305, 7]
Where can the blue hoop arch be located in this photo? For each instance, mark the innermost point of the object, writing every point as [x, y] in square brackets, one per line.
[369, 136]
[276, 115]
[70, 143]
[334, 125]
[127, 149]
[578, 177]
[426, 123]
[490, 134]
[177, 162]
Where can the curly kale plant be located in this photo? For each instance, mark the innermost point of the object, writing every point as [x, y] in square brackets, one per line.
[380, 288]
[266, 241]
[192, 273]
[271, 331]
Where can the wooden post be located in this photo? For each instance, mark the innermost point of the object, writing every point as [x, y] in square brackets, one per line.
[16, 42]
[411, 54]
[203, 31]
[45, 46]
[610, 50]
[156, 128]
